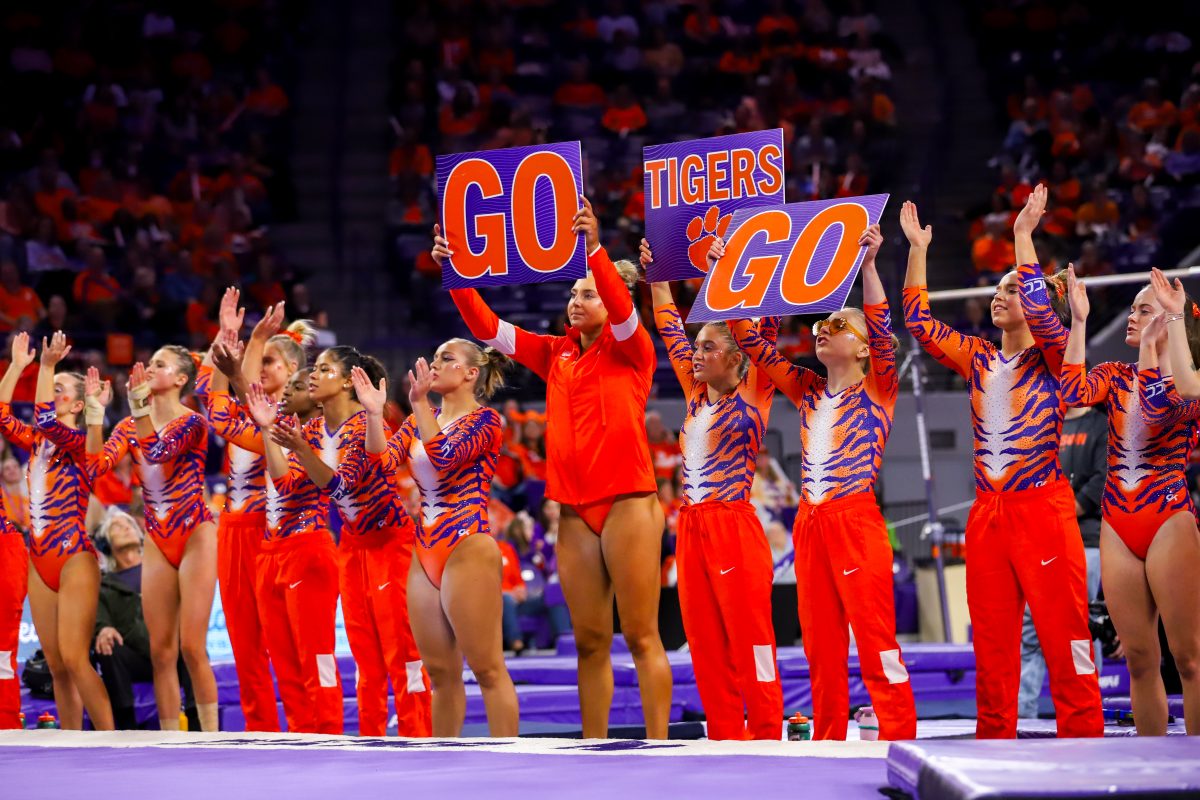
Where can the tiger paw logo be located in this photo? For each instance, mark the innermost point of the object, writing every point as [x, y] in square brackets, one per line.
[701, 231]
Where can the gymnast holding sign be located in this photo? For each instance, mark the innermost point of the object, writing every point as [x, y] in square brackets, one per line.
[598, 378]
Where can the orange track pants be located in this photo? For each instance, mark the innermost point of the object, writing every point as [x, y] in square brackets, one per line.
[14, 581]
[239, 540]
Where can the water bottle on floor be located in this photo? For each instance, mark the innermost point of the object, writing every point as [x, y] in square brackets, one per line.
[868, 724]
[47, 721]
[799, 729]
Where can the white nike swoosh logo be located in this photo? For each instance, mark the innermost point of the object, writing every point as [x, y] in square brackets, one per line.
[731, 569]
[294, 585]
[1044, 563]
[849, 571]
[383, 586]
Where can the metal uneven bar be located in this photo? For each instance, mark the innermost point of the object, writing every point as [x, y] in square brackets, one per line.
[1098, 280]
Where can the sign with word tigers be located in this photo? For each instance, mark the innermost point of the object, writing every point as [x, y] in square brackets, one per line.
[507, 215]
[693, 188]
[800, 258]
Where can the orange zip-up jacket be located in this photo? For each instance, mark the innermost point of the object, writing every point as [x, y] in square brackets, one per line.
[596, 444]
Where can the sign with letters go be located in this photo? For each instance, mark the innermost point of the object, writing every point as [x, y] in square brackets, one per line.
[507, 215]
[693, 189]
[799, 258]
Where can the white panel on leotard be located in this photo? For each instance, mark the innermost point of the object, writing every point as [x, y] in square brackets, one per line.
[6, 669]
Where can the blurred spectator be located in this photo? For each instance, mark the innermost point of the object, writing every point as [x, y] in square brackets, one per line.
[772, 493]
[122, 647]
[20, 307]
[664, 447]
[782, 553]
[16, 492]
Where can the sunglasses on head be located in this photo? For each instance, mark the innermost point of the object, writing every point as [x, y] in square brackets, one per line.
[832, 327]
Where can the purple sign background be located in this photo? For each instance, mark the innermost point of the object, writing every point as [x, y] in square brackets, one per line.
[506, 162]
[672, 230]
[773, 303]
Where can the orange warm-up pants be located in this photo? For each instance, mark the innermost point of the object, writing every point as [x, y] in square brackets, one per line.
[725, 573]
[373, 575]
[1025, 547]
[14, 581]
[297, 595]
[844, 575]
[239, 540]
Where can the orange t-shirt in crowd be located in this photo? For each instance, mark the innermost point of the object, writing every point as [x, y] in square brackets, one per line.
[624, 119]
[415, 159]
[269, 102]
[667, 458]
[1146, 117]
[993, 254]
[510, 574]
[95, 287]
[24, 302]
[579, 94]
[49, 204]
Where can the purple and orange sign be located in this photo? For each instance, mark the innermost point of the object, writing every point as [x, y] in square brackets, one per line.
[507, 215]
[694, 188]
[799, 258]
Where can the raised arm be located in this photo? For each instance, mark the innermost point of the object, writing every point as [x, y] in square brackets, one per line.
[948, 347]
[1160, 403]
[262, 411]
[96, 396]
[528, 349]
[69, 439]
[251, 363]
[670, 328]
[13, 429]
[792, 380]
[110, 453]
[883, 382]
[292, 437]
[1049, 334]
[1173, 299]
[230, 420]
[633, 341]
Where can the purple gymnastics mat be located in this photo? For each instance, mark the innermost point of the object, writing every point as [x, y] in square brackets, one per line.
[1077, 769]
[197, 767]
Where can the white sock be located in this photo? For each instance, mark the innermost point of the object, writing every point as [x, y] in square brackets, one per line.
[208, 717]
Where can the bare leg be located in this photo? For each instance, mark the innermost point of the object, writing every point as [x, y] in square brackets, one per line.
[160, 607]
[78, 595]
[589, 594]
[439, 650]
[1172, 565]
[43, 603]
[1135, 617]
[197, 584]
[473, 603]
[632, 548]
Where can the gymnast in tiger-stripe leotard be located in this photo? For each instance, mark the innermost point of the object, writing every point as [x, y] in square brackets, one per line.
[843, 555]
[1148, 530]
[1016, 420]
[454, 593]
[724, 565]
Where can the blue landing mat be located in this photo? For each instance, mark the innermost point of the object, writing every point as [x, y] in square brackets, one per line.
[1074, 769]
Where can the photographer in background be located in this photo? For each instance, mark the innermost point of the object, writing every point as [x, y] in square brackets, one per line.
[122, 648]
[1083, 454]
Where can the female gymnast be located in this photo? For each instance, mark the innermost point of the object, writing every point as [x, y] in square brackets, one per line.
[375, 547]
[1016, 415]
[723, 561]
[843, 556]
[454, 596]
[598, 377]
[168, 443]
[64, 571]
